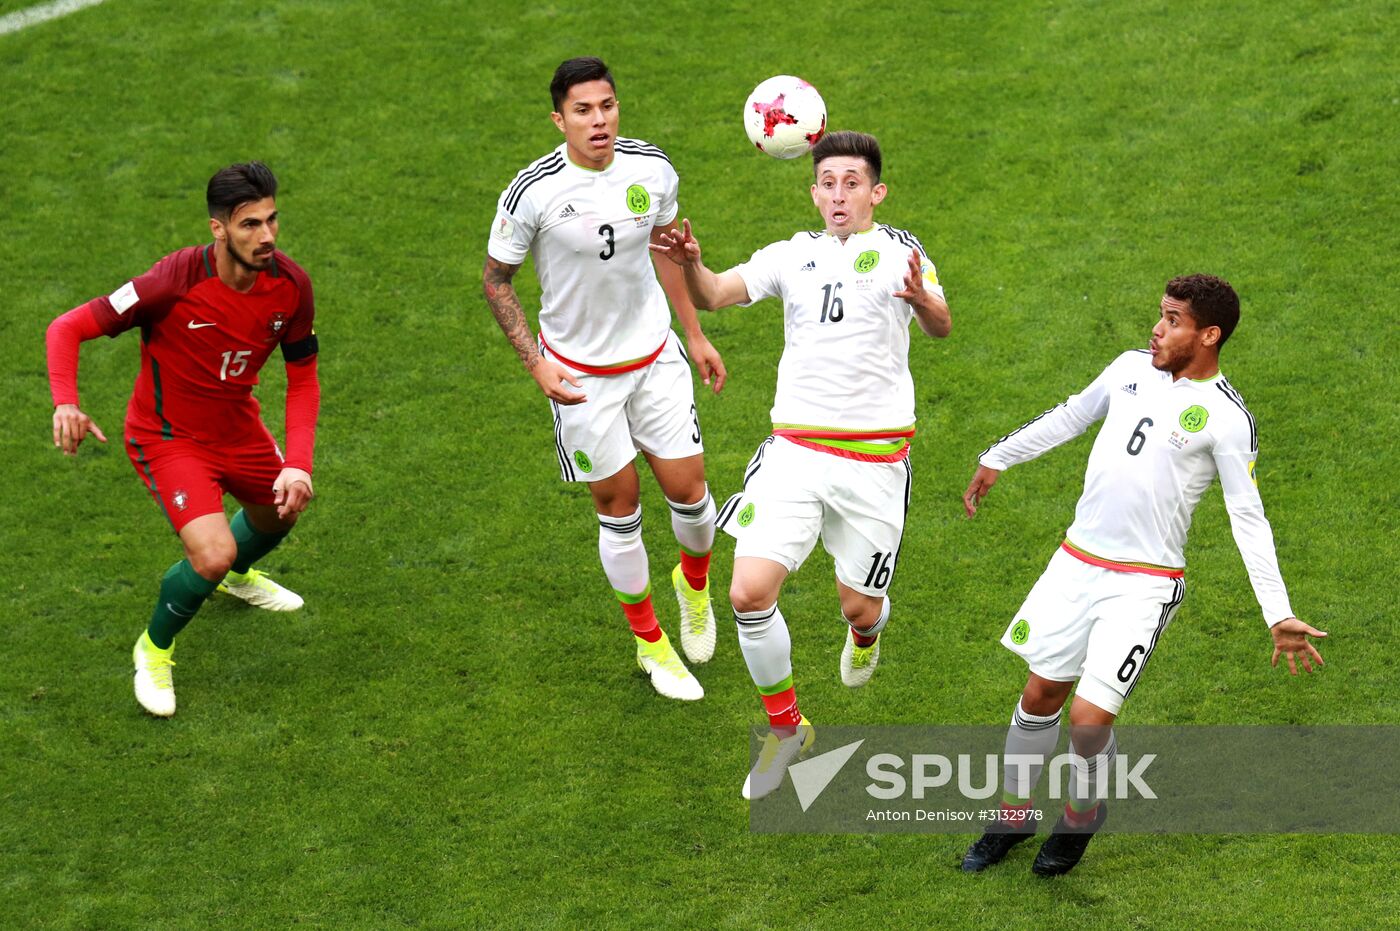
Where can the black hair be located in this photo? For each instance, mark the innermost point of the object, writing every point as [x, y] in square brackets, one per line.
[846, 142]
[239, 184]
[1211, 302]
[577, 71]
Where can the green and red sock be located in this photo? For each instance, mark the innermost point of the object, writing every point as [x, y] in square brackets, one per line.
[696, 570]
[640, 615]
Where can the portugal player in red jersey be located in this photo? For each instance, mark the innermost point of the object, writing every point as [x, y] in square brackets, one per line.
[209, 318]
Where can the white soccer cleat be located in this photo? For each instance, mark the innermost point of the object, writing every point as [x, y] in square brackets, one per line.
[155, 686]
[697, 618]
[668, 674]
[774, 758]
[858, 663]
[260, 591]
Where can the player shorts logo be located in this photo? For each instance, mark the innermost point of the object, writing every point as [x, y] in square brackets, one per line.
[867, 260]
[746, 515]
[1194, 418]
[584, 463]
[1021, 632]
[638, 200]
[180, 499]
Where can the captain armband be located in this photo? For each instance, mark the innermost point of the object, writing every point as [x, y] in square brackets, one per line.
[301, 349]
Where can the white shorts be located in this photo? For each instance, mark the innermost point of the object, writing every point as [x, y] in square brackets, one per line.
[1096, 625]
[649, 410]
[792, 495]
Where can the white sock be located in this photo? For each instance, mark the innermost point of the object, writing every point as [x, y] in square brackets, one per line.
[767, 648]
[622, 554]
[1091, 778]
[694, 524]
[1029, 735]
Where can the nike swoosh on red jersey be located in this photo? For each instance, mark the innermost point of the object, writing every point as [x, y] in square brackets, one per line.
[196, 326]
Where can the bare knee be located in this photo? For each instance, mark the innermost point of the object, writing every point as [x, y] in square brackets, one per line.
[1043, 697]
[862, 611]
[212, 559]
[745, 597]
[747, 593]
[1090, 726]
[617, 495]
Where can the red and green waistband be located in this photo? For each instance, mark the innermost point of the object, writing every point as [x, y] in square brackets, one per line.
[617, 369]
[1142, 568]
[882, 445]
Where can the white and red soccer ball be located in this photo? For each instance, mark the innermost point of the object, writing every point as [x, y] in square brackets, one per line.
[785, 116]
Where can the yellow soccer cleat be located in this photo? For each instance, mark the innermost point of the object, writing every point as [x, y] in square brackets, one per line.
[155, 686]
[260, 591]
[775, 757]
[668, 674]
[858, 663]
[697, 618]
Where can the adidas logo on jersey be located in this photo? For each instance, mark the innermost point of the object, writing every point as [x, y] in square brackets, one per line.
[809, 267]
[1131, 389]
[568, 212]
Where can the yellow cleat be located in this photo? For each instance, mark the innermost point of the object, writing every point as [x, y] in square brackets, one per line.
[697, 618]
[775, 757]
[155, 686]
[858, 663]
[668, 674]
[260, 591]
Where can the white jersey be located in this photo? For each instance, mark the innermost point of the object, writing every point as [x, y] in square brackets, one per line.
[1161, 445]
[845, 363]
[601, 304]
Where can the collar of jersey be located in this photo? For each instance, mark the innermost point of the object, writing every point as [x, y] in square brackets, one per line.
[853, 235]
[583, 168]
[1197, 381]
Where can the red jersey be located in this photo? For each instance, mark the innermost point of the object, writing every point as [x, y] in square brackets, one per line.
[203, 343]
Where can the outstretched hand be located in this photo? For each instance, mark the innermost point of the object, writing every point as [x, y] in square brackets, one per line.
[70, 426]
[982, 481]
[1291, 640]
[679, 245]
[913, 290]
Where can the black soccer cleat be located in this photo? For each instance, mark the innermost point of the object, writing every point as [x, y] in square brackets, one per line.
[1065, 846]
[993, 846]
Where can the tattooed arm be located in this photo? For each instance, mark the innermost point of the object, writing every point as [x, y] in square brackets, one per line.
[505, 305]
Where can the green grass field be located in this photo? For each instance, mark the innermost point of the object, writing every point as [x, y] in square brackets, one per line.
[453, 731]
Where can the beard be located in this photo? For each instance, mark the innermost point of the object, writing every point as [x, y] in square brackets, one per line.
[1165, 361]
[248, 262]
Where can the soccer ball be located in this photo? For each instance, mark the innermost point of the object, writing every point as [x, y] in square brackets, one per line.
[784, 116]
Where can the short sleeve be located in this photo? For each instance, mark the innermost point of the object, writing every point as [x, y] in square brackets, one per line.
[669, 207]
[147, 297]
[762, 273]
[512, 229]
